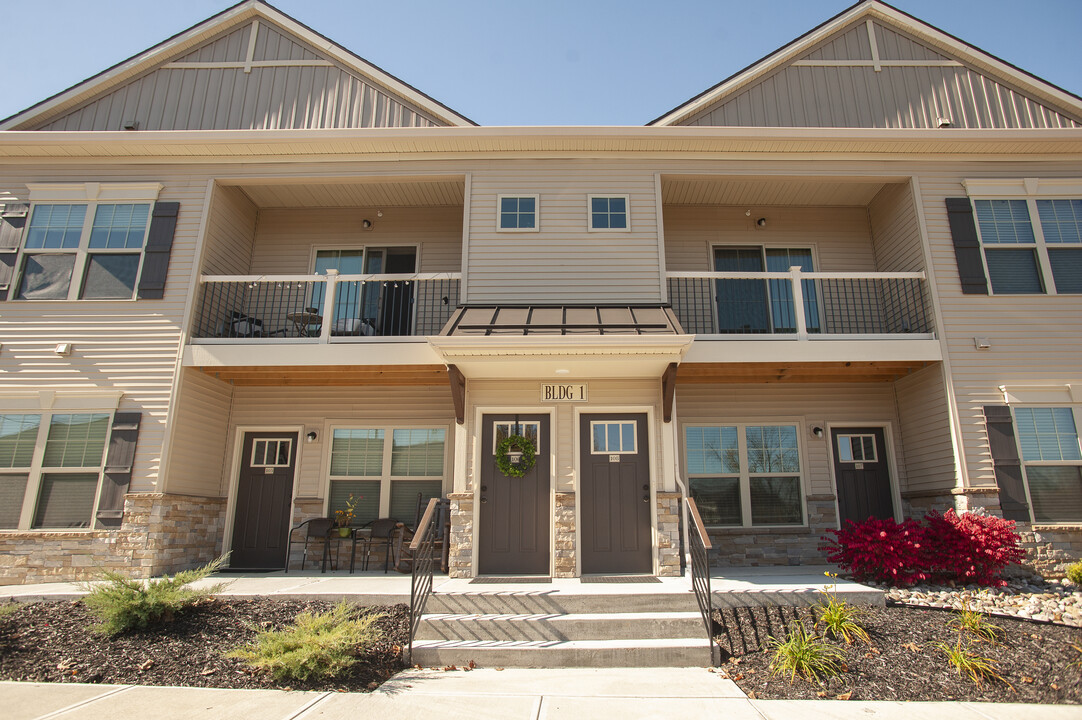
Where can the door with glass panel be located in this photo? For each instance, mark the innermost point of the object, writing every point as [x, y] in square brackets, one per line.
[861, 474]
[264, 499]
[514, 517]
[763, 306]
[614, 492]
[367, 308]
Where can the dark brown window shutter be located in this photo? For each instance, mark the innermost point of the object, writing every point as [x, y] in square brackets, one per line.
[1008, 466]
[12, 221]
[163, 223]
[967, 247]
[118, 465]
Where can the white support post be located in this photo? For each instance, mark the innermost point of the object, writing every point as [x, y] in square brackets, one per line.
[328, 306]
[798, 303]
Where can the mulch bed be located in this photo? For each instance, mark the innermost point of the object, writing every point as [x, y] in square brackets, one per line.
[51, 642]
[903, 662]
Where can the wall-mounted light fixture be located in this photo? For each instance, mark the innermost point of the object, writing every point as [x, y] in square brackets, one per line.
[761, 222]
[366, 224]
[63, 349]
[817, 432]
[311, 436]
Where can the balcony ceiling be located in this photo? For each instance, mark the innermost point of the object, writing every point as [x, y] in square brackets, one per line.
[786, 191]
[367, 192]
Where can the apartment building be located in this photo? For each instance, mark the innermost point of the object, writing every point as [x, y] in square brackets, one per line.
[248, 275]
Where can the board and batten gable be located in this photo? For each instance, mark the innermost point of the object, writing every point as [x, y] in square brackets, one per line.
[563, 262]
[129, 346]
[1035, 340]
[253, 75]
[871, 74]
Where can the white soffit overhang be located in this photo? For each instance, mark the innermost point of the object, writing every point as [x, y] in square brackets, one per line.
[609, 356]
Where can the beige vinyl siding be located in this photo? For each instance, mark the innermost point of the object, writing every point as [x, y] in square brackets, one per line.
[230, 232]
[314, 407]
[564, 262]
[840, 236]
[1035, 339]
[279, 96]
[807, 405]
[509, 396]
[131, 346]
[924, 424]
[200, 435]
[285, 238]
[840, 95]
[896, 230]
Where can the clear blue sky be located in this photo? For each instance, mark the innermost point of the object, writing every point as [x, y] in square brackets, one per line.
[509, 62]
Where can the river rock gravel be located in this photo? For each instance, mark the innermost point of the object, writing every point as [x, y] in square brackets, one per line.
[1056, 601]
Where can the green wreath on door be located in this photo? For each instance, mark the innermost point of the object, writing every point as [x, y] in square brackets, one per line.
[526, 460]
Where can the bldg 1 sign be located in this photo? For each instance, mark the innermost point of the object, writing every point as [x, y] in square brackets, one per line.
[565, 392]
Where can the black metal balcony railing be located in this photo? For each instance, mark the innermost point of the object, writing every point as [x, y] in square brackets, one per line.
[802, 304]
[321, 307]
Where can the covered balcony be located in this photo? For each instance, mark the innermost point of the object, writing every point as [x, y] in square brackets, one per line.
[784, 270]
[308, 270]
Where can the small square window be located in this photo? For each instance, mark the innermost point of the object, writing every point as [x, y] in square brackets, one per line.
[609, 213]
[517, 213]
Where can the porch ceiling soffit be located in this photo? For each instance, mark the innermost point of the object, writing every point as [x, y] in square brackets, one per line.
[810, 191]
[373, 191]
[329, 375]
[466, 142]
[799, 372]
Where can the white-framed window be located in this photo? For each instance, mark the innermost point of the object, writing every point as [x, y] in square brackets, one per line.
[517, 213]
[1031, 245]
[271, 453]
[857, 448]
[503, 430]
[89, 250]
[613, 438]
[745, 475]
[609, 213]
[1051, 461]
[384, 468]
[50, 468]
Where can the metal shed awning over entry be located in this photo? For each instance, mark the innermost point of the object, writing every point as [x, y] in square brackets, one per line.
[562, 320]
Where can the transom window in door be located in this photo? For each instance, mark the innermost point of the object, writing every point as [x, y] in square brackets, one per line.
[613, 438]
[271, 453]
[857, 448]
[503, 430]
[748, 305]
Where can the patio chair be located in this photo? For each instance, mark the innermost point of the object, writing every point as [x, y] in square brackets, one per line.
[384, 533]
[242, 325]
[316, 530]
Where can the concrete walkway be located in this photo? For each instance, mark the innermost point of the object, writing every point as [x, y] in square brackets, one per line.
[573, 693]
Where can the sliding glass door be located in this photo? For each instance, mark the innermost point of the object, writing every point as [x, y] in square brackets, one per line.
[763, 306]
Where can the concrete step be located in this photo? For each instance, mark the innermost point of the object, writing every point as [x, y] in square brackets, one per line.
[662, 652]
[576, 626]
[548, 603]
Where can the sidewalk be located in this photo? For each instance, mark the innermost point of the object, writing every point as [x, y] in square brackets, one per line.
[512, 694]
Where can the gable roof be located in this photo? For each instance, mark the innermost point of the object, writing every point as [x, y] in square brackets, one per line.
[957, 81]
[356, 85]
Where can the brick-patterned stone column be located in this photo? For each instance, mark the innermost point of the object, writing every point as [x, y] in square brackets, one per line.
[1050, 549]
[460, 551]
[668, 534]
[564, 562]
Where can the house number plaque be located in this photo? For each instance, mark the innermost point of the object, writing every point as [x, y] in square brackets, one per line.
[565, 392]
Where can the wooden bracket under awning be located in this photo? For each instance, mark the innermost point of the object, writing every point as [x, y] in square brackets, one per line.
[668, 391]
[458, 393]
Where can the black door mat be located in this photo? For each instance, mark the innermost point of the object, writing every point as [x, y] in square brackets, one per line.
[619, 579]
[509, 580]
[246, 571]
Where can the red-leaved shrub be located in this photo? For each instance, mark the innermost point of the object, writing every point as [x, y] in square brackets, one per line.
[969, 548]
[880, 550]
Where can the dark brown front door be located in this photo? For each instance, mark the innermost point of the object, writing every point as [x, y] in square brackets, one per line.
[264, 493]
[861, 473]
[614, 495]
[513, 537]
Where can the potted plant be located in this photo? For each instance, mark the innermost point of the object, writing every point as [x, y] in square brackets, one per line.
[344, 518]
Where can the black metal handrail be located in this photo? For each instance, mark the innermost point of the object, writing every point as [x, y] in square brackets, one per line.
[699, 543]
[422, 546]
